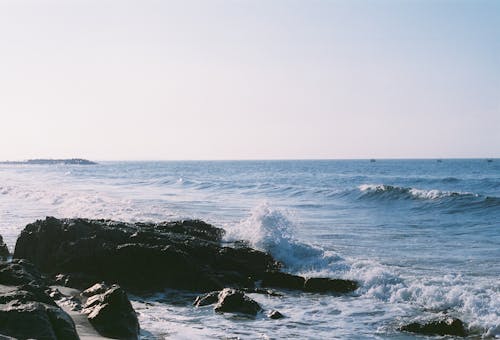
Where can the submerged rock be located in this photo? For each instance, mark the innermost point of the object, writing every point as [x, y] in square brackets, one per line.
[110, 312]
[235, 301]
[274, 314]
[26, 310]
[323, 285]
[282, 280]
[446, 326]
[313, 285]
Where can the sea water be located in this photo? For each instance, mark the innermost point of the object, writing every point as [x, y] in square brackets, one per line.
[421, 236]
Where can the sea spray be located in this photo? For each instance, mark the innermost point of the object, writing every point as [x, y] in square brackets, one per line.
[271, 230]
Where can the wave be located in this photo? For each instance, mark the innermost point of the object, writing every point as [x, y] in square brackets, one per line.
[466, 200]
[396, 192]
[476, 302]
[271, 230]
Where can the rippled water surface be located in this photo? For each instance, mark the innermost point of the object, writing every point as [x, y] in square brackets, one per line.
[422, 237]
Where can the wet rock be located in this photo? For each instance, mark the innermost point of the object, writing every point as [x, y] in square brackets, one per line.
[445, 326]
[324, 285]
[263, 291]
[110, 312]
[183, 255]
[4, 250]
[19, 272]
[235, 301]
[275, 315]
[26, 309]
[206, 299]
[75, 280]
[282, 280]
[98, 288]
[36, 320]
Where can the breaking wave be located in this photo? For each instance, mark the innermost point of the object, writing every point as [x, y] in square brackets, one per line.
[272, 230]
[453, 199]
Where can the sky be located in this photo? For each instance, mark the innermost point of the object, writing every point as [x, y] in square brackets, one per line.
[249, 79]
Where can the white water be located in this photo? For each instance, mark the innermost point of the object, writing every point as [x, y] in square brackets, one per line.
[419, 245]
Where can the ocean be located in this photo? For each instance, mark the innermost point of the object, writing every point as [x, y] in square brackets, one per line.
[421, 236]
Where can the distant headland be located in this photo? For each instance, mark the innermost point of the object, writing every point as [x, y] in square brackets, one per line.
[42, 161]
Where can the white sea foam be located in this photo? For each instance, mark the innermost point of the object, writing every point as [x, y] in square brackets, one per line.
[399, 192]
[387, 293]
[477, 302]
[272, 230]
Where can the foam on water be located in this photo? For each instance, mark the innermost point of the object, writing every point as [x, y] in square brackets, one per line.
[401, 192]
[477, 302]
[336, 213]
[271, 230]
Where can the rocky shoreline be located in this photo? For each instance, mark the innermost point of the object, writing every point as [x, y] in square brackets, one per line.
[80, 269]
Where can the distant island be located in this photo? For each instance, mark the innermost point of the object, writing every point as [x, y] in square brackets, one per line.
[42, 161]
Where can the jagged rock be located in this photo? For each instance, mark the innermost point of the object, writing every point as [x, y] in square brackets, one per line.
[184, 255]
[445, 326]
[206, 299]
[98, 288]
[282, 280]
[323, 285]
[275, 315]
[26, 310]
[235, 301]
[19, 272]
[110, 312]
[4, 250]
[75, 280]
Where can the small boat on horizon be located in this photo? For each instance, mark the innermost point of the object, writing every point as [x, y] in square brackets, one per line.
[489, 160]
[373, 160]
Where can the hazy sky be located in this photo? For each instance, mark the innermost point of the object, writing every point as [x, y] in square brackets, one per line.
[240, 79]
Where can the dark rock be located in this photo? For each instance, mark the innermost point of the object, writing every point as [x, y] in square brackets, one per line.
[184, 255]
[324, 285]
[4, 250]
[275, 315]
[282, 280]
[36, 320]
[26, 310]
[25, 294]
[445, 326]
[111, 312]
[19, 272]
[261, 291]
[75, 280]
[206, 299]
[235, 301]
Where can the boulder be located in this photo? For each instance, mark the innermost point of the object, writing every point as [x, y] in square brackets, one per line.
[183, 255]
[26, 310]
[235, 301]
[110, 312]
[444, 326]
[325, 285]
[19, 272]
[206, 299]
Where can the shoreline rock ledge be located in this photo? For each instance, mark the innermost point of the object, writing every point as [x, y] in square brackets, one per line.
[144, 257]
